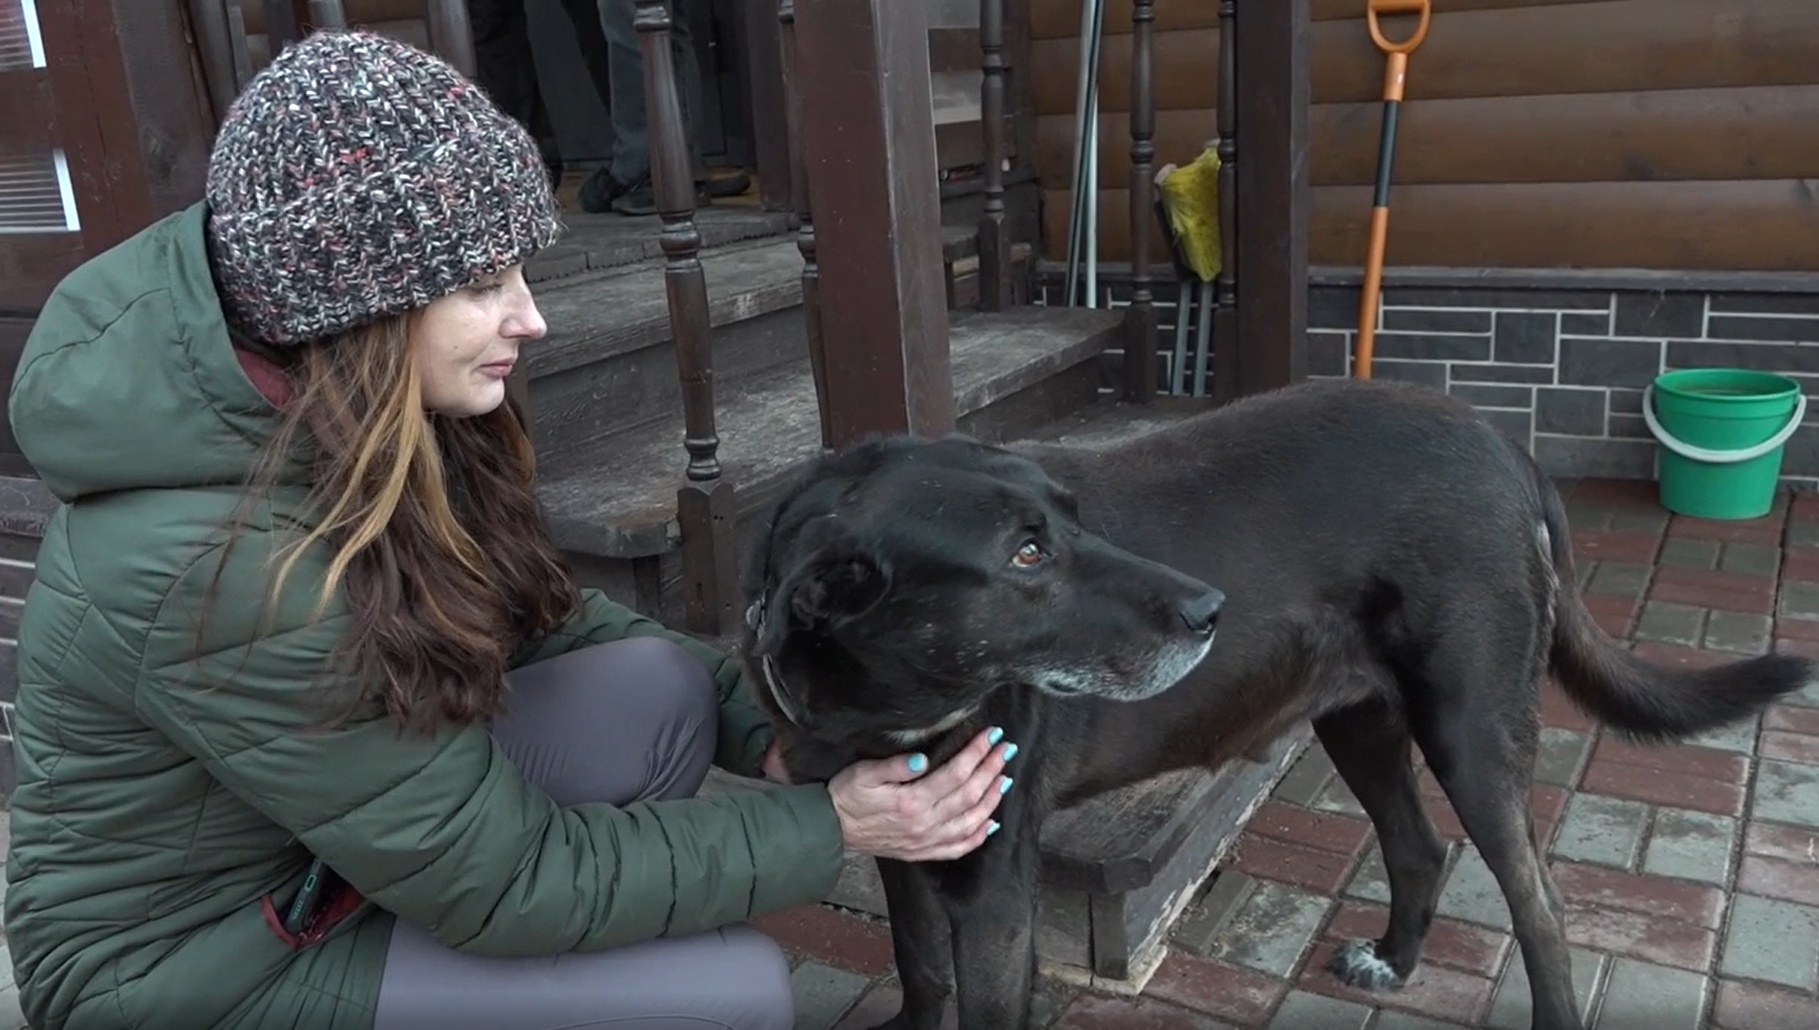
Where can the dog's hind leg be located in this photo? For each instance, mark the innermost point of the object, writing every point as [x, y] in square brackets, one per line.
[920, 941]
[1370, 747]
[1479, 729]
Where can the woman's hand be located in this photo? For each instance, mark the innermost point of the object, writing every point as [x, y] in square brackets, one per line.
[772, 765]
[889, 809]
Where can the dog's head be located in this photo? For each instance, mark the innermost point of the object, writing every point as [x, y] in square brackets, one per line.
[906, 580]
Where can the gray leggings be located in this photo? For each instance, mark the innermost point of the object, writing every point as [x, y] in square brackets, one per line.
[618, 722]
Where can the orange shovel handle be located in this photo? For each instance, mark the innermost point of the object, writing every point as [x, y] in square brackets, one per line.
[1375, 8]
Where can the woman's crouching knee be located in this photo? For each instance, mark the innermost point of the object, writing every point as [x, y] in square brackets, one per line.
[672, 676]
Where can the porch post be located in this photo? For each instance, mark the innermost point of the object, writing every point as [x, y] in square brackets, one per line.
[1271, 130]
[869, 141]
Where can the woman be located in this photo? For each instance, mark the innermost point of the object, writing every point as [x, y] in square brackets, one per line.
[314, 729]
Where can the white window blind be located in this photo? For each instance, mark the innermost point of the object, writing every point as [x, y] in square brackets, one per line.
[36, 195]
[21, 44]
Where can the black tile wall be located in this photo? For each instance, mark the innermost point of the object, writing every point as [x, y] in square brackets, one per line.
[1567, 368]
[1563, 370]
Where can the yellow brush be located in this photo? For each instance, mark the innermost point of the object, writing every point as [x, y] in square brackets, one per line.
[1187, 201]
[1190, 195]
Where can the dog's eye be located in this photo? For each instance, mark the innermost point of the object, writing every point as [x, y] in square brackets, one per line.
[1028, 555]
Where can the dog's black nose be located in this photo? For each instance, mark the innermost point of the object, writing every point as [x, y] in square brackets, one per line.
[1202, 610]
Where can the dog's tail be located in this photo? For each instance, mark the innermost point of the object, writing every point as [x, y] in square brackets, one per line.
[1642, 700]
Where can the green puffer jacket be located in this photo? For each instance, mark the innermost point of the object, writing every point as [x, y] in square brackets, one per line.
[161, 796]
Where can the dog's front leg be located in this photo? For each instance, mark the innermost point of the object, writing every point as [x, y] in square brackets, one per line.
[919, 936]
[995, 944]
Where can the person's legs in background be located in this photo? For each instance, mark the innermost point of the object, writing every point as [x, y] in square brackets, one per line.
[506, 69]
[624, 184]
[633, 719]
[584, 15]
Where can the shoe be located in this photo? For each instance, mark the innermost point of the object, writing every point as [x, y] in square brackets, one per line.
[727, 185]
[642, 199]
[636, 200]
[599, 191]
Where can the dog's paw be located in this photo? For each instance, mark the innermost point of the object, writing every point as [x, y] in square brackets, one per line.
[1356, 965]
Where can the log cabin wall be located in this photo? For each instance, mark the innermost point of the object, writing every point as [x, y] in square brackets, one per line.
[1676, 134]
[1586, 193]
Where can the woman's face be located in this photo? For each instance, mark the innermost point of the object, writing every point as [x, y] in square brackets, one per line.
[467, 342]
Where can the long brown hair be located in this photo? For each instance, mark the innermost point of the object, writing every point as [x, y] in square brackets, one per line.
[438, 544]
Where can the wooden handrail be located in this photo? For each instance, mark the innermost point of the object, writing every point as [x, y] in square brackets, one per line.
[704, 503]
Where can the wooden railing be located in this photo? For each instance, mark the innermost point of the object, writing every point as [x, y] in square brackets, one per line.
[704, 503]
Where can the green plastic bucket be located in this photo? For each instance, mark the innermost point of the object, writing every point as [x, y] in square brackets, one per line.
[1721, 432]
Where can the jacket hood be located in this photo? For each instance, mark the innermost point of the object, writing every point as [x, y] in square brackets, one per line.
[130, 380]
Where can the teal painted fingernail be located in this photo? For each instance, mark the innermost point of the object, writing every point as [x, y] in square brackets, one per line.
[991, 827]
[1010, 751]
[996, 735]
[918, 762]
[1004, 784]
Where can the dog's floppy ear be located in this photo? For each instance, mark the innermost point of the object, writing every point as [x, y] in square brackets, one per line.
[828, 578]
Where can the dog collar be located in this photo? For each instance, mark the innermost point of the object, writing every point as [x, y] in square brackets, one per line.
[767, 665]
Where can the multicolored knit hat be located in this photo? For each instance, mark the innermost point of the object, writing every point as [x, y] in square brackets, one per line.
[358, 177]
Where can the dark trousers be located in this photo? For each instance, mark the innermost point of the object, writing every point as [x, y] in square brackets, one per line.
[507, 70]
[633, 719]
[625, 61]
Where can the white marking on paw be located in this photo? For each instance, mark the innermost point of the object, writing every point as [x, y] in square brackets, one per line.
[1357, 964]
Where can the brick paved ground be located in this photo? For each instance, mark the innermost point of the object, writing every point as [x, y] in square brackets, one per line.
[1691, 873]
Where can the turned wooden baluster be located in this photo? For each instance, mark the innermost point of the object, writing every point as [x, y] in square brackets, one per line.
[805, 222]
[1140, 322]
[704, 504]
[1225, 296]
[994, 243]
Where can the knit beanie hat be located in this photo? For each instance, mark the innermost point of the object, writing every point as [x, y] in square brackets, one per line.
[357, 177]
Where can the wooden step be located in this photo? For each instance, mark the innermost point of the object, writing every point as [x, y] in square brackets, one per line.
[592, 243]
[603, 314]
[621, 502]
[1135, 858]
[1117, 870]
[608, 364]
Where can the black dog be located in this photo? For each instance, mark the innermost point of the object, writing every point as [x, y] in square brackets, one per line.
[1393, 569]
